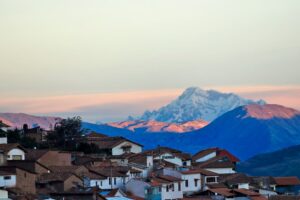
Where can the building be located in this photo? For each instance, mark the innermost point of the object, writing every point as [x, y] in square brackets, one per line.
[18, 177]
[11, 151]
[170, 155]
[287, 185]
[113, 145]
[49, 157]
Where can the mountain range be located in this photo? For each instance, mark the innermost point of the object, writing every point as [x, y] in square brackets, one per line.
[245, 130]
[17, 120]
[196, 103]
[151, 126]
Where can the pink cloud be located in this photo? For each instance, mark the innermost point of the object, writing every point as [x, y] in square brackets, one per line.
[120, 105]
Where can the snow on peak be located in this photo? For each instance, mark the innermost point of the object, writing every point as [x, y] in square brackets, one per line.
[195, 103]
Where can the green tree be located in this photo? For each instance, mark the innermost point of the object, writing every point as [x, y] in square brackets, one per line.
[66, 133]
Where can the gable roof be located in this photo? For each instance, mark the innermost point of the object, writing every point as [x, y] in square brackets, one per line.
[55, 177]
[285, 181]
[200, 171]
[222, 191]
[7, 147]
[216, 162]
[235, 178]
[29, 165]
[35, 154]
[96, 135]
[111, 142]
[218, 151]
[161, 150]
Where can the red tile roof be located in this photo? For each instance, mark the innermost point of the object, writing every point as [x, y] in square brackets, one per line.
[200, 171]
[219, 152]
[284, 181]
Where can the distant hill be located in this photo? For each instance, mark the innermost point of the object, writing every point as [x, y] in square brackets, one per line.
[141, 126]
[285, 162]
[195, 103]
[16, 120]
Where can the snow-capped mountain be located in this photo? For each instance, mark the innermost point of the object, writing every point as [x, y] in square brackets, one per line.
[195, 104]
[155, 126]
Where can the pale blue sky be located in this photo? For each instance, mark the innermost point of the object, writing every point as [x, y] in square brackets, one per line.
[59, 47]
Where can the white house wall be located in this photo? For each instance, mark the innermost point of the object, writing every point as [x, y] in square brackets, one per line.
[117, 150]
[8, 183]
[17, 152]
[221, 170]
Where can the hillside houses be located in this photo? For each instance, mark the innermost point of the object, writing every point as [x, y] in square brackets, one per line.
[121, 170]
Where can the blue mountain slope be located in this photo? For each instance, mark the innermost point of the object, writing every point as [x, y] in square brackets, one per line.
[285, 162]
[245, 131]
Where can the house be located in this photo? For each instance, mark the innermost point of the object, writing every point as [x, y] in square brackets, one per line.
[158, 187]
[196, 180]
[218, 164]
[207, 154]
[18, 177]
[77, 170]
[12, 151]
[107, 178]
[49, 157]
[170, 155]
[78, 194]
[287, 185]
[164, 187]
[236, 181]
[36, 133]
[30, 165]
[142, 162]
[57, 182]
[113, 145]
[4, 194]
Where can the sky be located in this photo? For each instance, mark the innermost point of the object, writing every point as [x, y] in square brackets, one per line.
[106, 59]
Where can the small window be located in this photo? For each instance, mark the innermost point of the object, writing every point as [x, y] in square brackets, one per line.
[167, 189]
[115, 181]
[186, 183]
[7, 177]
[109, 180]
[25, 174]
[196, 182]
[211, 180]
[179, 186]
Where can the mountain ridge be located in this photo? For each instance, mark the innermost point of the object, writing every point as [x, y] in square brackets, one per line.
[195, 103]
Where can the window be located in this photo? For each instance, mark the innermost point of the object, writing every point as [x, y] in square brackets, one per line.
[17, 157]
[173, 187]
[210, 179]
[196, 182]
[7, 177]
[184, 163]
[109, 181]
[115, 181]
[101, 183]
[179, 186]
[186, 183]
[25, 174]
[167, 189]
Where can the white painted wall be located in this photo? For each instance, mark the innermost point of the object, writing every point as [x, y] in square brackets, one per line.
[104, 184]
[17, 152]
[137, 187]
[8, 182]
[3, 140]
[170, 158]
[243, 186]
[176, 194]
[207, 157]
[191, 183]
[221, 170]
[117, 150]
[3, 194]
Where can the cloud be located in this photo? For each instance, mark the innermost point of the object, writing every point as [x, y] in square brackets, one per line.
[118, 106]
